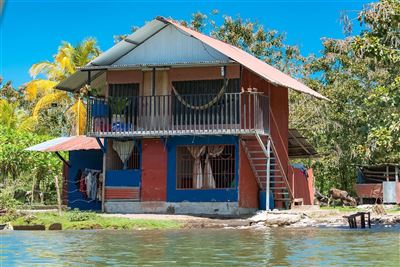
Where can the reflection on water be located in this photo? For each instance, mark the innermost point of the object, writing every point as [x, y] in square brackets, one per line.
[274, 247]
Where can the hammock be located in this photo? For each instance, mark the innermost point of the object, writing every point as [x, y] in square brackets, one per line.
[206, 106]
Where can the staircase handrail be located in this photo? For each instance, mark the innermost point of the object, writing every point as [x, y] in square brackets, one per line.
[280, 166]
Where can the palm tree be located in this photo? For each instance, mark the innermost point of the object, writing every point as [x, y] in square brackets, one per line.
[65, 63]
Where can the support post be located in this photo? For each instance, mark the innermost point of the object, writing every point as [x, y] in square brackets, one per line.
[396, 173]
[363, 220]
[267, 185]
[103, 189]
[62, 159]
[369, 220]
[387, 173]
[58, 194]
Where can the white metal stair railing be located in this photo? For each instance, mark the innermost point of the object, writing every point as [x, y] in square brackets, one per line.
[261, 154]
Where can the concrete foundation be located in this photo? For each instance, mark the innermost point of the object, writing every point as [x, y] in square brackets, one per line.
[198, 208]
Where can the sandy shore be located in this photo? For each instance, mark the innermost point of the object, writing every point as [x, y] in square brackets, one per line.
[306, 217]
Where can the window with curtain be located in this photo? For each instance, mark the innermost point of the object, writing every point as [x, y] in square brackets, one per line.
[114, 161]
[205, 167]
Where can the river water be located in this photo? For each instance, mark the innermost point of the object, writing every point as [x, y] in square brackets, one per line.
[204, 247]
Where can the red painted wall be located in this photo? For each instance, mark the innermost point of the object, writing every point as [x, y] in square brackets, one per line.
[248, 187]
[374, 190]
[279, 112]
[154, 170]
[121, 193]
[302, 186]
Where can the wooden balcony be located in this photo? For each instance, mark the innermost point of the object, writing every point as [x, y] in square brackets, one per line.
[165, 115]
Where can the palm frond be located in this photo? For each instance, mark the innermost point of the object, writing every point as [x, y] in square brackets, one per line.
[8, 113]
[64, 57]
[47, 100]
[47, 68]
[78, 112]
[29, 124]
[39, 87]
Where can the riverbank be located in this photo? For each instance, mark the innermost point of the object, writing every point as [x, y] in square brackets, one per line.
[325, 217]
[299, 217]
[76, 220]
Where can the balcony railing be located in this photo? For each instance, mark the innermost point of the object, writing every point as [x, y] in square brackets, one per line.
[230, 113]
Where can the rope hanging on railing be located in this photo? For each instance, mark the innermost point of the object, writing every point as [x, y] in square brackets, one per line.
[206, 106]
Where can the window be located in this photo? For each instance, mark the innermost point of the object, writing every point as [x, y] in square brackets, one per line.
[123, 90]
[205, 167]
[122, 99]
[114, 162]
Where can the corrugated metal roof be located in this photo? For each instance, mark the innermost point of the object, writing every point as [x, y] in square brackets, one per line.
[123, 48]
[298, 146]
[71, 143]
[251, 62]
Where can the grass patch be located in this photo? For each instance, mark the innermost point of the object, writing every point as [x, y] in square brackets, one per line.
[340, 208]
[76, 220]
[392, 210]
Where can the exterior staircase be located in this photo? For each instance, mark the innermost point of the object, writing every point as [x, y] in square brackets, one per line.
[258, 152]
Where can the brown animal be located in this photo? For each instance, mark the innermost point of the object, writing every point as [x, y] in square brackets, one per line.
[342, 195]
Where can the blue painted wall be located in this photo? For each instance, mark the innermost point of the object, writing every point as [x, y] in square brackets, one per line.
[208, 195]
[123, 177]
[92, 159]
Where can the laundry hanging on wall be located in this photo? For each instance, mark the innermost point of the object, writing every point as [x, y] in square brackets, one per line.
[90, 183]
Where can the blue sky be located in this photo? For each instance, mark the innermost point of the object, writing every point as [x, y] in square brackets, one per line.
[31, 30]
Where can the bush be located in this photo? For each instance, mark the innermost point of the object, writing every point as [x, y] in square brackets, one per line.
[7, 200]
[77, 216]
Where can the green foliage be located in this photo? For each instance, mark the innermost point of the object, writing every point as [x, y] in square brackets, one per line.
[77, 216]
[22, 170]
[7, 201]
[361, 75]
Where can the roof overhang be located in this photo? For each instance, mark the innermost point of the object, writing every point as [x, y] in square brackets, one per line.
[72, 143]
[299, 147]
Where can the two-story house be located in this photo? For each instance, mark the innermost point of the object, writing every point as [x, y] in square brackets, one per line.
[187, 124]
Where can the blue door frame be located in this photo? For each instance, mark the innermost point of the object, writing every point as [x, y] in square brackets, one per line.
[200, 195]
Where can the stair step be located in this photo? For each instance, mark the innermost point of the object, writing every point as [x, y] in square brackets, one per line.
[282, 199]
[277, 188]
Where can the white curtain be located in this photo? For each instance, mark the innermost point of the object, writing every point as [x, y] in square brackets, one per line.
[213, 151]
[197, 152]
[124, 150]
